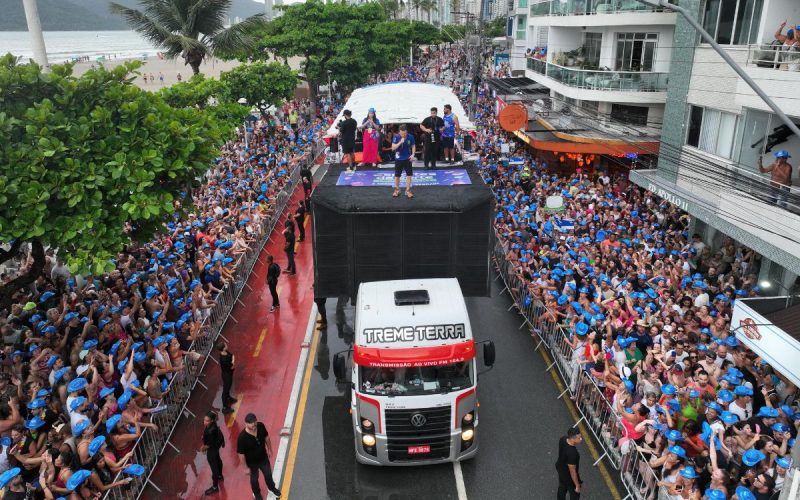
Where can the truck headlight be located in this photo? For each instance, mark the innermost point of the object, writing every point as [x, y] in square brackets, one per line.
[368, 440]
[467, 435]
[366, 425]
[468, 418]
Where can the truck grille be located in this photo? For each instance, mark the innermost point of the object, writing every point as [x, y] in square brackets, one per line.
[435, 432]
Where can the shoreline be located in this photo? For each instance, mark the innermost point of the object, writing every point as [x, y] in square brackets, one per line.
[169, 68]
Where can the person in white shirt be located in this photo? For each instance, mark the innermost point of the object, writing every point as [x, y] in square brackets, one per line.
[679, 354]
[742, 406]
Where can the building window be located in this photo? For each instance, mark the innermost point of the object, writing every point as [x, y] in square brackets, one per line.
[636, 51]
[522, 4]
[522, 27]
[632, 115]
[711, 131]
[592, 42]
[733, 22]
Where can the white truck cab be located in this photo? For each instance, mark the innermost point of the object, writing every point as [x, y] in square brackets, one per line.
[413, 373]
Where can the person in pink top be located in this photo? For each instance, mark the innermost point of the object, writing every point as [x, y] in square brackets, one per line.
[370, 127]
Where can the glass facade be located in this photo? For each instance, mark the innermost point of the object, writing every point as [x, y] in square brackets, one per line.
[633, 81]
[733, 22]
[636, 51]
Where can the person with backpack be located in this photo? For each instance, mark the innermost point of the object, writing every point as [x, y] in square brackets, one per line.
[213, 440]
[273, 273]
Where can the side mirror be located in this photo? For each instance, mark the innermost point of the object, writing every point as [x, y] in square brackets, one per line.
[488, 353]
[340, 365]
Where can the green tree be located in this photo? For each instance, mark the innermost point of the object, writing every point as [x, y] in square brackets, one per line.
[260, 84]
[90, 163]
[210, 95]
[390, 7]
[192, 29]
[495, 27]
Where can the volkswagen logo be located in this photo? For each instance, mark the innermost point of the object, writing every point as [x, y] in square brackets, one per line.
[418, 420]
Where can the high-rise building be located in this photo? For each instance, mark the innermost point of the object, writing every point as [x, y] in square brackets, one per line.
[606, 64]
[716, 128]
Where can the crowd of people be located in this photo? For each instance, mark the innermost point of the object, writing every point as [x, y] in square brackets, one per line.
[87, 360]
[647, 307]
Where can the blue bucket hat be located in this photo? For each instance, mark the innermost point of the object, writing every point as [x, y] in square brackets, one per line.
[715, 494]
[8, 475]
[80, 427]
[669, 389]
[59, 374]
[112, 422]
[77, 384]
[752, 456]
[96, 444]
[105, 392]
[743, 493]
[37, 404]
[34, 423]
[728, 417]
[76, 403]
[689, 473]
[673, 435]
[77, 478]
[782, 154]
[677, 451]
[768, 412]
[581, 328]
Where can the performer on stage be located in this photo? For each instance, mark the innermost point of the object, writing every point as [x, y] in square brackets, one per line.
[370, 127]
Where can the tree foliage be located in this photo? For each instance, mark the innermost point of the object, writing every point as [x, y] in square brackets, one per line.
[90, 162]
[351, 41]
[192, 29]
[260, 84]
[496, 27]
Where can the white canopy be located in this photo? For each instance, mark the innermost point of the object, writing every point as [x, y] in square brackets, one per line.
[402, 102]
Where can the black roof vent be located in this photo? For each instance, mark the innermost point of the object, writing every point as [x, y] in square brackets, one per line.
[411, 297]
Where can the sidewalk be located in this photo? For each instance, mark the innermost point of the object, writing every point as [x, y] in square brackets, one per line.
[267, 349]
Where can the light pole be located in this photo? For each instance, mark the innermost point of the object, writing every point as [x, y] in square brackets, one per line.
[330, 90]
[37, 38]
[727, 58]
[243, 102]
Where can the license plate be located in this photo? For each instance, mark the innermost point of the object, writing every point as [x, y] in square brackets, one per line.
[416, 450]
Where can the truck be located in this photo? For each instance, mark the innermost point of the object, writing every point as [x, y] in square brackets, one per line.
[413, 374]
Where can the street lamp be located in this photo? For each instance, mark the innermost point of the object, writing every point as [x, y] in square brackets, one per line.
[330, 91]
[243, 102]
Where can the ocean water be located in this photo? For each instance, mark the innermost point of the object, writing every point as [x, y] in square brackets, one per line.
[67, 45]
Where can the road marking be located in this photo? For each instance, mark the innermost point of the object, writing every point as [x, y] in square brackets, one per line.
[232, 417]
[584, 431]
[301, 409]
[300, 382]
[460, 488]
[260, 342]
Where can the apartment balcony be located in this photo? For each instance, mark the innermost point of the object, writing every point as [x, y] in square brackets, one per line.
[777, 73]
[586, 84]
[598, 13]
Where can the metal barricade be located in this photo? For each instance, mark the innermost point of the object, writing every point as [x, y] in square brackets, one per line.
[152, 441]
[638, 477]
[601, 419]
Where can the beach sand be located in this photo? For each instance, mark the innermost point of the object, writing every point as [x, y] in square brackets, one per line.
[211, 68]
[169, 68]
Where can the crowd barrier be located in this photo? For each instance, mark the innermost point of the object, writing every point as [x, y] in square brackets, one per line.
[152, 442]
[594, 407]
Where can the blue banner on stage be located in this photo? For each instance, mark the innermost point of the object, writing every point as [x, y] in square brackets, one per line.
[384, 178]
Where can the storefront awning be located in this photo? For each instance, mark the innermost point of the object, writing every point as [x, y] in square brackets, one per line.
[546, 138]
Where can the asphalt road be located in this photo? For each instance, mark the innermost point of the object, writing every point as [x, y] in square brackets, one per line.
[521, 420]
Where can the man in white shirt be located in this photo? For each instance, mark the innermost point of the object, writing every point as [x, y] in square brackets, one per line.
[742, 405]
[702, 298]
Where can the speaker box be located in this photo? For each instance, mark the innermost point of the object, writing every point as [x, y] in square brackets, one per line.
[445, 231]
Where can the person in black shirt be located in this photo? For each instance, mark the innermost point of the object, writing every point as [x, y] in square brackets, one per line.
[288, 248]
[307, 179]
[226, 364]
[569, 479]
[213, 440]
[432, 127]
[347, 138]
[254, 448]
[273, 273]
[300, 218]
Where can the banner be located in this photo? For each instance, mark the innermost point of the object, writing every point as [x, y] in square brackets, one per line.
[769, 341]
[378, 178]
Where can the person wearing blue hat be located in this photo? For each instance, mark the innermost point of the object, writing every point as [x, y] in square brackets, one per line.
[742, 404]
[780, 176]
[752, 457]
[12, 480]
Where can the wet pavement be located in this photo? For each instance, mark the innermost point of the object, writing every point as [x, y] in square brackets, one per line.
[521, 420]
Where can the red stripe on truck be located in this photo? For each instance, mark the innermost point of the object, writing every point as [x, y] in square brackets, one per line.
[405, 357]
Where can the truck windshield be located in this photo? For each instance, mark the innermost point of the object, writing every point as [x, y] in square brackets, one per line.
[415, 381]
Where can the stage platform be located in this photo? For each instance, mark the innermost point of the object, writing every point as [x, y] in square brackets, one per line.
[362, 233]
[444, 189]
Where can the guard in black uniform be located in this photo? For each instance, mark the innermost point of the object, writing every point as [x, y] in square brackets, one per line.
[213, 440]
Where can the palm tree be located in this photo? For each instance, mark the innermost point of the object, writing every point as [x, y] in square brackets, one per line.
[391, 7]
[427, 6]
[192, 29]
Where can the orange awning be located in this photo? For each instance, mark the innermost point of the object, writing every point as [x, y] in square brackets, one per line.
[602, 148]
